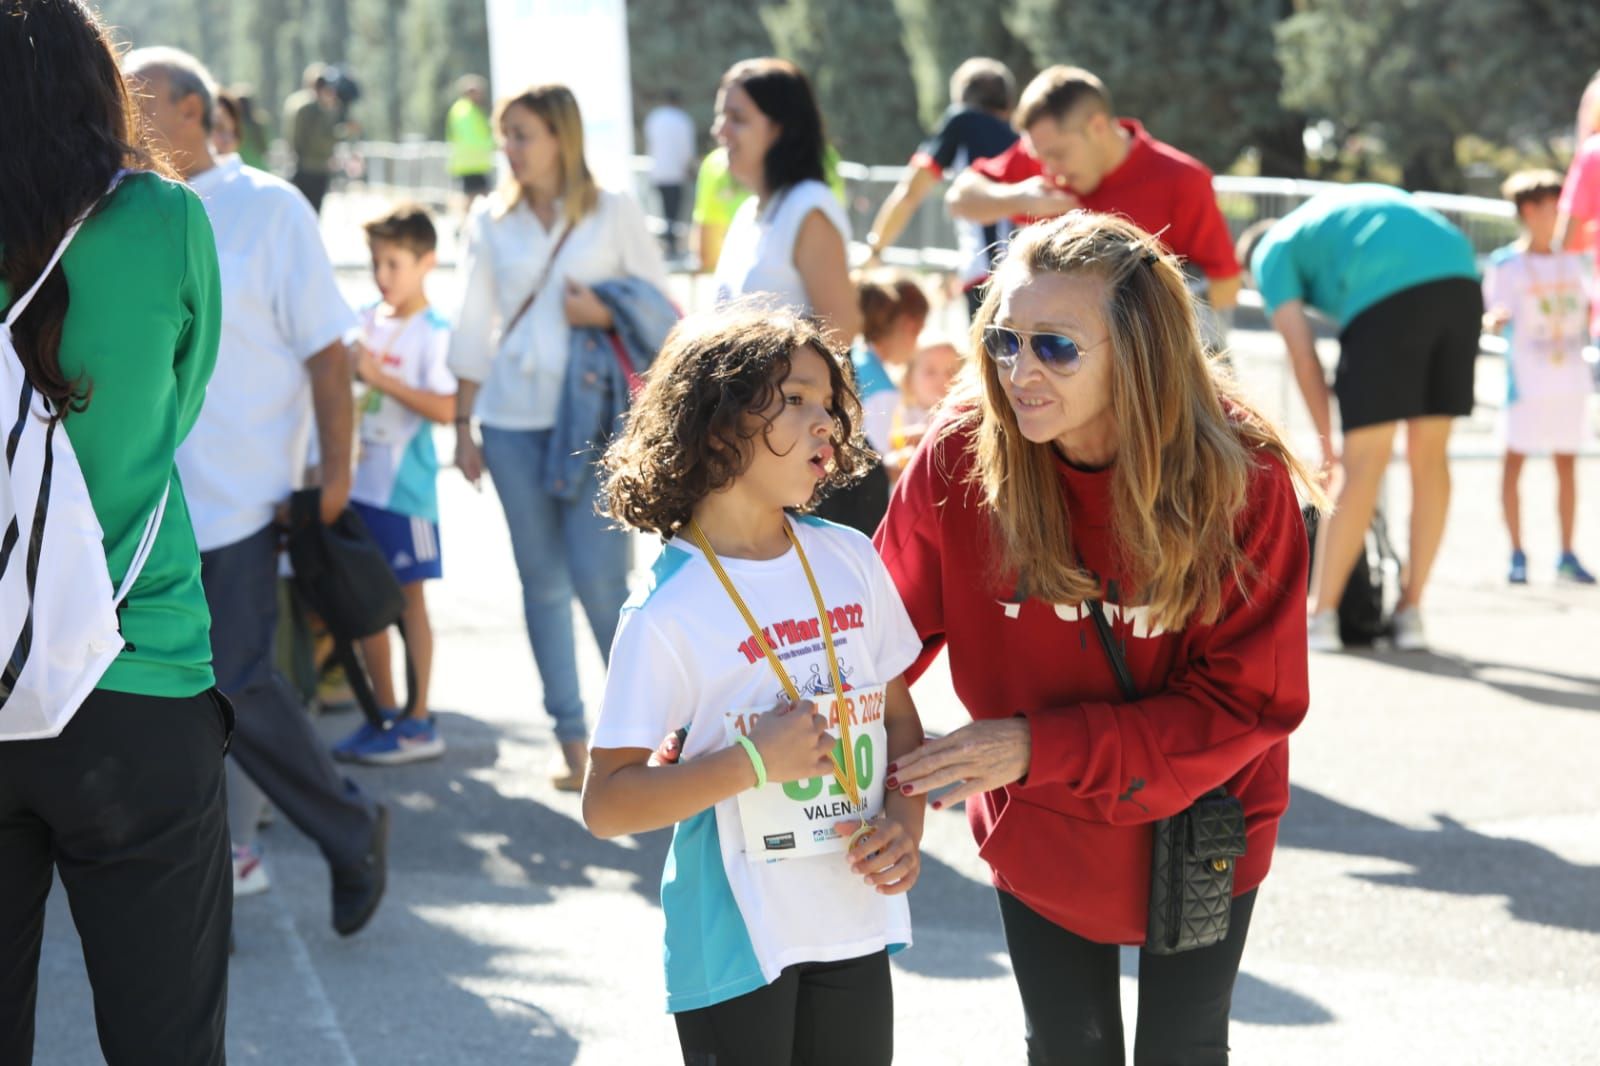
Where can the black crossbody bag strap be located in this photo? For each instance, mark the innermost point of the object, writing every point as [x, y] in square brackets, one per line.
[1108, 641]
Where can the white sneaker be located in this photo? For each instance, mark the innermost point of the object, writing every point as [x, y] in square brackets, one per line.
[1407, 634]
[249, 873]
[1322, 632]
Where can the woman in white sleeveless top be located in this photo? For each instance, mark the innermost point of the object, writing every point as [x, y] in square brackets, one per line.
[787, 242]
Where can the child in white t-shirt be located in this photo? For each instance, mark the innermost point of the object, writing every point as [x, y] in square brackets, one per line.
[1537, 296]
[780, 913]
[401, 362]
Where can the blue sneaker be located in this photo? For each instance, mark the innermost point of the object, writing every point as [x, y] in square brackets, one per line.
[407, 740]
[1519, 568]
[345, 750]
[1570, 570]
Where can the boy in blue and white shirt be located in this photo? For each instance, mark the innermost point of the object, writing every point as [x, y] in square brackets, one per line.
[408, 388]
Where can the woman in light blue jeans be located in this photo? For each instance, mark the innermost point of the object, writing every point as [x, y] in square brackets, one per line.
[562, 547]
[532, 249]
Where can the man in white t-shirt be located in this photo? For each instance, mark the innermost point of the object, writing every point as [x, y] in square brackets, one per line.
[282, 367]
[669, 137]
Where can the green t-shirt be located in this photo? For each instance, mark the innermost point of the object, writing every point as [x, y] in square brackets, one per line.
[142, 325]
[471, 141]
[1346, 249]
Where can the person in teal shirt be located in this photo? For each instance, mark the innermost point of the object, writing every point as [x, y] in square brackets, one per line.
[1401, 283]
[126, 805]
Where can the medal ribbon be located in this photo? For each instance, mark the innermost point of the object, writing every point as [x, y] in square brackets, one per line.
[846, 773]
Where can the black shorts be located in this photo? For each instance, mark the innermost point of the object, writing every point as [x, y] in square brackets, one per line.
[1411, 355]
[474, 184]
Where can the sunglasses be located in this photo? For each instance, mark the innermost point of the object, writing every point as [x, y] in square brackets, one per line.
[1055, 351]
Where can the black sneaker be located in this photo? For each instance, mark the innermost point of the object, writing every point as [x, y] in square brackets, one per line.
[358, 889]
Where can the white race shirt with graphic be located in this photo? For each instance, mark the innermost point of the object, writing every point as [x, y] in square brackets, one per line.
[743, 902]
[398, 466]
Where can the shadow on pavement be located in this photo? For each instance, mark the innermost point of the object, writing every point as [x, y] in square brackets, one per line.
[1582, 692]
[949, 909]
[1256, 1002]
[1538, 885]
[471, 822]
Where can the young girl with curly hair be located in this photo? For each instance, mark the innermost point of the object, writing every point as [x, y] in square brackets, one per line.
[770, 645]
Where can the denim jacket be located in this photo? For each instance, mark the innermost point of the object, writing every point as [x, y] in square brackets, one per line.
[594, 394]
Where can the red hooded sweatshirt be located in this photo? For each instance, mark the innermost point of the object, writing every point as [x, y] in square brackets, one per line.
[1218, 701]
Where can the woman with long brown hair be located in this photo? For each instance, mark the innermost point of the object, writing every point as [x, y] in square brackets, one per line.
[1107, 539]
[533, 250]
[126, 803]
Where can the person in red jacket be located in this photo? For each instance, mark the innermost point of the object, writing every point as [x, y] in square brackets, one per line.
[1096, 456]
[1076, 153]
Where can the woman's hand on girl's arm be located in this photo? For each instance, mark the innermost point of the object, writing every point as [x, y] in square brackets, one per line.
[978, 757]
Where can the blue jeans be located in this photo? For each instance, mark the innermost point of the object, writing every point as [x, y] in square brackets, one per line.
[563, 548]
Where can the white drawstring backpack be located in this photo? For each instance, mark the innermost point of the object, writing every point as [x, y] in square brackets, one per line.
[58, 610]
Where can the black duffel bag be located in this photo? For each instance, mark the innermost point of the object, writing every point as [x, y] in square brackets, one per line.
[342, 575]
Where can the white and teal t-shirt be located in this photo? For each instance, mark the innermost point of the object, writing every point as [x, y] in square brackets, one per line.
[398, 466]
[737, 912]
[879, 397]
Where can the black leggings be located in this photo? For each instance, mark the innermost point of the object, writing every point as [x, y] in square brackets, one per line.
[814, 1014]
[1072, 1000]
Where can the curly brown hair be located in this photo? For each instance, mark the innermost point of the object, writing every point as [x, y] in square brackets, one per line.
[713, 389]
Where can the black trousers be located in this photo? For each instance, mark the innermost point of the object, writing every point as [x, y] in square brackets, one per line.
[277, 744]
[671, 206]
[1072, 1000]
[814, 1014]
[313, 185]
[127, 806]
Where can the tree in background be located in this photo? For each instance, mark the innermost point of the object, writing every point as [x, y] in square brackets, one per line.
[1401, 82]
[442, 40]
[940, 34]
[1420, 76]
[722, 32]
[858, 68]
[1200, 74]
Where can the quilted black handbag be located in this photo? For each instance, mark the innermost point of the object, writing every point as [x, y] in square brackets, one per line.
[1192, 854]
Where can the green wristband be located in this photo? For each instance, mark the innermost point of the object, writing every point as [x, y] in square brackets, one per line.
[755, 760]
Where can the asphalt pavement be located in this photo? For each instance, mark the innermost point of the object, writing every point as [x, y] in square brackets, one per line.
[1435, 896]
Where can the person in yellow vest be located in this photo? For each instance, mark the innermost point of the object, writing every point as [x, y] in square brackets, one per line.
[469, 137]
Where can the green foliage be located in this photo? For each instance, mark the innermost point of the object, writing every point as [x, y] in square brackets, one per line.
[1431, 73]
[940, 34]
[853, 55]
[685, 46]
[1404, 83]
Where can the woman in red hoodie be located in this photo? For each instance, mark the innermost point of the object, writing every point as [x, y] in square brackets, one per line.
[1097, 457]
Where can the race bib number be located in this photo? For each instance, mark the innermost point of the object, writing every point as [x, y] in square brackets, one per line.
[795, 819]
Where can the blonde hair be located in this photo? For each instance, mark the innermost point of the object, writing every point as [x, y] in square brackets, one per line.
[1187, 440]
[557, 108]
